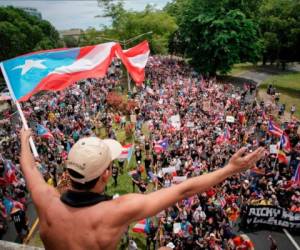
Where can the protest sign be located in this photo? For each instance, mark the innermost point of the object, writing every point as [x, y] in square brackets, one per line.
[176, 228]
[230, 119]
[178, 179]
[273, 149]
[169, 170]
[175, 121]
[273, 216]
[206, 106]
[133, 118]
[190, 124]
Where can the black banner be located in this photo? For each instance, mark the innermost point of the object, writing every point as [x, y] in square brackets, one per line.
[273, 216]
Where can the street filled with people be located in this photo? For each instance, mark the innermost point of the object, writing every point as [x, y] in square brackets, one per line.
[182, 125]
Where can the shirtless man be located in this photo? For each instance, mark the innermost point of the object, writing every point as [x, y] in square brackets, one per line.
[85, 218]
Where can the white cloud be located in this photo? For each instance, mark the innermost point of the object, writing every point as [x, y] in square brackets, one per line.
[76, 14]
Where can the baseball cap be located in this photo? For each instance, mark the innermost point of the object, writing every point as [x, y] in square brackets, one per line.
[90, 157]
[170, 245]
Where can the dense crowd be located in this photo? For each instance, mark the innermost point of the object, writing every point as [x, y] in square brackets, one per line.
[184, 126]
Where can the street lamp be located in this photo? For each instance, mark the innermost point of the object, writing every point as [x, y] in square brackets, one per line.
[124, 43]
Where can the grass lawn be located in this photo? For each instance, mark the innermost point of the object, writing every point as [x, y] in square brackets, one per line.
[241, 68]
[289, 82]
[289, 87]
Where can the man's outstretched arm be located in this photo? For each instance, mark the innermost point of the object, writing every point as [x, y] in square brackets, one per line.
[34, 180]
[138, 206]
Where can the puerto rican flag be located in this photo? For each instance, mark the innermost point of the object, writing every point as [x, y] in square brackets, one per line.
[57, 69]
[225, 137]
[127, 151]
[296, 177]
[135, 60]
[10, 173]
[43, 132]
[161, 145]
[285, 144]
[222, 202]
[143, 226]
[274, 129]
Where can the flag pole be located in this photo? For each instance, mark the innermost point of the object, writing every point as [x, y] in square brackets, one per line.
[33, 148]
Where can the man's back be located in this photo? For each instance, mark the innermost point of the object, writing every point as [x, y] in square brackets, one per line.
[101, 226]
[92, 227]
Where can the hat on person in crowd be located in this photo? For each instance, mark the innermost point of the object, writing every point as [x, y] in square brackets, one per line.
[280, 182]
[212, 235]
[246, 181]
[91, 156]
[170, 245]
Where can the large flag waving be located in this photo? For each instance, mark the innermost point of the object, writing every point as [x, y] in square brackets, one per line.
[135, 60]
[57, 69]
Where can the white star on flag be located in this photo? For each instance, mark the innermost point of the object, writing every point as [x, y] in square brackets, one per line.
[29, 64]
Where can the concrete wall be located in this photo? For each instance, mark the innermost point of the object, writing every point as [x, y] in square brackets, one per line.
[6, 245]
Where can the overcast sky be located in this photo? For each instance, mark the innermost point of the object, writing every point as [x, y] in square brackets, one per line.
[76, 14]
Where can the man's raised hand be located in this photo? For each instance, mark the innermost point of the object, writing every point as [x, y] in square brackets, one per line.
[25, 134]
[240, 162]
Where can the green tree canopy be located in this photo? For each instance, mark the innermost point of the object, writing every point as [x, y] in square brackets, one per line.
[214, 37]
[22, 33]
[70, 41]
[280, 27]
[129, 24]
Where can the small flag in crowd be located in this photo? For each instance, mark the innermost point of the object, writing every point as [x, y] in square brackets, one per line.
[149, 91]
[222, 202]
[257, 171]
[296, 177]
[274, 129]
[43, 132]
[285, 144]
[57, 69]
[281, 156]
[10, 173]
[225, 137]
[143, 226]
[127, 151]
[161, 145]
[9, 204]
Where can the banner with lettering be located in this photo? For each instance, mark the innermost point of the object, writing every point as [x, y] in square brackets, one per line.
[273, 216]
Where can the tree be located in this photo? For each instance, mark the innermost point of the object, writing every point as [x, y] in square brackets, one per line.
[70, 41]
[280, 27]
[215, 38]
[22, 33]
[128, 24]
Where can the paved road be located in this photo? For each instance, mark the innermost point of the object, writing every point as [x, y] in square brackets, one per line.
[261, 242]
[262, 73]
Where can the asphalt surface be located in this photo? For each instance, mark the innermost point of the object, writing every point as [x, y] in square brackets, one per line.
[261, 241]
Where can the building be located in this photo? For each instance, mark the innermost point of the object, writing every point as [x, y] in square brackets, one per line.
[32, 12]
[71, 32]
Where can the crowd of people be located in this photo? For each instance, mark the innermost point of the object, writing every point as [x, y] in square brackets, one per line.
[184, 126]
